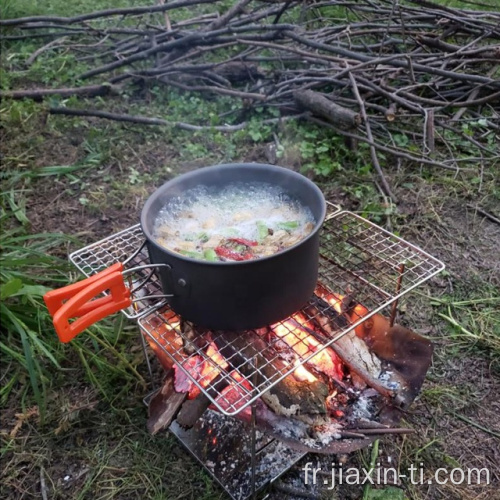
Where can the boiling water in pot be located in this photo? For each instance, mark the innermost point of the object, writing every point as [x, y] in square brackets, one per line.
[241, 221]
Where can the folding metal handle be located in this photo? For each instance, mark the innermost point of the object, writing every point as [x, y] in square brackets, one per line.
[79, 301]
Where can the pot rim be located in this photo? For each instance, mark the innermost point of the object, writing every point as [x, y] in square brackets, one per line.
[147, 206]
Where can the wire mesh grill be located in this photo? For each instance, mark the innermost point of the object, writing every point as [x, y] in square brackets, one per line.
[359, 263]
[118, 248]
[362, 259]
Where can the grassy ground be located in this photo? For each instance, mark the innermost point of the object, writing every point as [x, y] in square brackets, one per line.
[73, 422]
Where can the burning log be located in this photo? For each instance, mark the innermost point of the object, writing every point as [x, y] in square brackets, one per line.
[326, 438]
[355, 352]
[193, 409]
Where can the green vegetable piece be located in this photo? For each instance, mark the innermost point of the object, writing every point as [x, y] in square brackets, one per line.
[210, 255]
[288, 226]
[263, 230]
[193, 255]
[202, 237]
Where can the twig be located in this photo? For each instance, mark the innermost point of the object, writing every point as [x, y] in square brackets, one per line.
[398, 290]
[216, 90]
[146, 120]
[373, 152]
[88, 91]
[132, 11]
[43, 485]
[489, 216]
[476, 425]
[395, 152]
[54, 43]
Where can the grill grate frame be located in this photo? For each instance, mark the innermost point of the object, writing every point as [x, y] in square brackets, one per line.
[357, 258]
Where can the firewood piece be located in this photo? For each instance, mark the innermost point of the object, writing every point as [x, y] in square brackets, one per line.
[300, 436]
[437, 43]
[363, 423]
[193, 409]
[164, 405]
[303, 399]
[390, 112]
[350, 348]
[375, 432]
[323, 107]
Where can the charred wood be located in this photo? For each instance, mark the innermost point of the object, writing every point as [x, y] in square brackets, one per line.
[164, 405]
[257, 361]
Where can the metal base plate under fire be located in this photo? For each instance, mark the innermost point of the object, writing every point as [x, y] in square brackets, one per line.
[223, 445]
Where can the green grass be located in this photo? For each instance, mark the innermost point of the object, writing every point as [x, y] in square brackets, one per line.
[30, 265]
[474, 322]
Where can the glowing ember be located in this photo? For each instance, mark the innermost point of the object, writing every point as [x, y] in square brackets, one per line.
[302, 375]
[294, 332]
[297, 343]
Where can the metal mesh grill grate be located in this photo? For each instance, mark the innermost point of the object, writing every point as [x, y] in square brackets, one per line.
[364, 260]
[358, 260]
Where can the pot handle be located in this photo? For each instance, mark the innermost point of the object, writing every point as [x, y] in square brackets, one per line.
[79, 301]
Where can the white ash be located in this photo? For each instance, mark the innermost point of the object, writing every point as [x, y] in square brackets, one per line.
[362, 408]
[387, 378]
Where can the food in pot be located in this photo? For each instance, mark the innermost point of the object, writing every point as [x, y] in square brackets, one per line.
[236, 223]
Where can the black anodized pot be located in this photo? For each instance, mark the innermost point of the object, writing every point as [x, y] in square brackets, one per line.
[238, 295]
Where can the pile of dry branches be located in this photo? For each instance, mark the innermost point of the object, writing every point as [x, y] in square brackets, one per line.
[370, 70]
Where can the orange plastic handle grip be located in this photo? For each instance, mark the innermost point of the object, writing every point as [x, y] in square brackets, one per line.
[78, 301]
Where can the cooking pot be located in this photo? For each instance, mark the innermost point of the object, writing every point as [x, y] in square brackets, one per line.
[218, 295]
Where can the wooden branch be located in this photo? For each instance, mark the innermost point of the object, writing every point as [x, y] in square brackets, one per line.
[145, 120]
[216, 90]
[394, 151]
[373, 151]
[132, 11]
[52, 44]
[489, 216]
[38, 94]
[398, 63]
[236, 9]
[325, 108]
[436, 43]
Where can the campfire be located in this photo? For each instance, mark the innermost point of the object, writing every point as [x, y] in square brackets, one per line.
[330, 378]
[311, 389]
